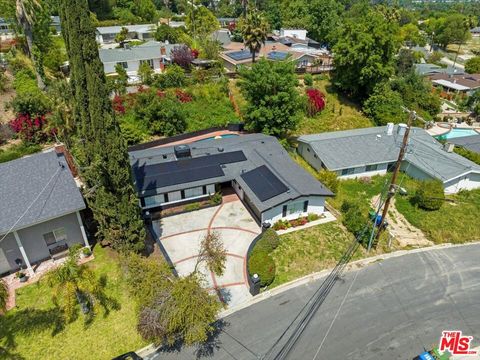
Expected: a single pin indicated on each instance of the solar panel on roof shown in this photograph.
(264, 183)
(184, 170)
(240, 55)
(277, 55)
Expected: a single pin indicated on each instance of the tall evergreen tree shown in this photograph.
(102, 153)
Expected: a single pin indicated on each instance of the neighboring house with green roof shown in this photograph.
(373, 151)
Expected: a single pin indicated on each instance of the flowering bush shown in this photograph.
(182, 96)
(286, 224)
(195, 53)
(118, 105)
(316, 101)
(31, 130)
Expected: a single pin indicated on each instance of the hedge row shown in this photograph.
(261, 261)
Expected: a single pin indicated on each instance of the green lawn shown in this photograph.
(456, 221)
(310, 250)
(34, 329)
(340, 113)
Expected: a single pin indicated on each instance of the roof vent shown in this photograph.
(448, 147)
(390, 129)
(182, 151)
(220, 149)
(164, 156)
(378, 137)
(401, 129)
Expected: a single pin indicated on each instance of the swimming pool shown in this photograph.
(456, 133)
(218, 137)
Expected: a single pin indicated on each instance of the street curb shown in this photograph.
(354, 265)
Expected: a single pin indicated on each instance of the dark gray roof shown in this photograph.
(22, 181)
(259, 150)
(360, 147)
(471, 143)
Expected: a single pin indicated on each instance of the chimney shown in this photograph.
(390, 129)
(448, 147)
(61, 149)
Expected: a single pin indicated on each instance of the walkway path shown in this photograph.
(181, 236)
(405, 233)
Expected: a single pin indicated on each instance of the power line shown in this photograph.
(336, 315)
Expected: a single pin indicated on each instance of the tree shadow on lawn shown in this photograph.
(27, 322)
(204, 350)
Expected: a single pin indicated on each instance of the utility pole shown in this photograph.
(396, 170)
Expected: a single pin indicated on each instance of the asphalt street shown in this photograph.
(393, 310)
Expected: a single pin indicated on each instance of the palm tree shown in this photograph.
(25, 11)
(254, 31)
(3, 296)
(76, 286)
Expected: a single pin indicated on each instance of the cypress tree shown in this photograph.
(102, 151)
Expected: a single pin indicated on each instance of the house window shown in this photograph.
(371, 167)
(154, 200)
(198, 191)
(295, 208)
(55, 236)
(149, 62)
(123, 64)
(348, 171)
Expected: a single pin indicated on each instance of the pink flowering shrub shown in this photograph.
(31, 130)
(118, 105)
(316, 101)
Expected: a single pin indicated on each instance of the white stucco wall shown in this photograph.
(468, 182)
(316, 205)
(361, 172)
(306, 151)
(415, 172)
(294, 33)
(133, 66)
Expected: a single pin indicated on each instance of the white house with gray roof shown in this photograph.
(373, 151)
(107, 34)
(153, 53)
(39, 210)
(258, 168)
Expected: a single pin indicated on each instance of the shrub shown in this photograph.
(281, 225)
(118, 104)
(329, 179)
(131, 133)
(192, 207)
(182, 56)
(182, 96)
(173, 77)
(308, 80)
(316, 101)
(32, 130)
(353, 217)
(269, 240)
(216, 199)
(261, 263)
(429, 195)
(312, 217)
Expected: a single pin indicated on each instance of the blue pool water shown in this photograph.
(456, 133)
(222, 136)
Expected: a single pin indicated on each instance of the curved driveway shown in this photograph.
(182, 234)
(395, 308)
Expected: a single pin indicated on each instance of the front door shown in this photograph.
(4, 265)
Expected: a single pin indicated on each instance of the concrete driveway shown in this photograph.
(181, 235)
